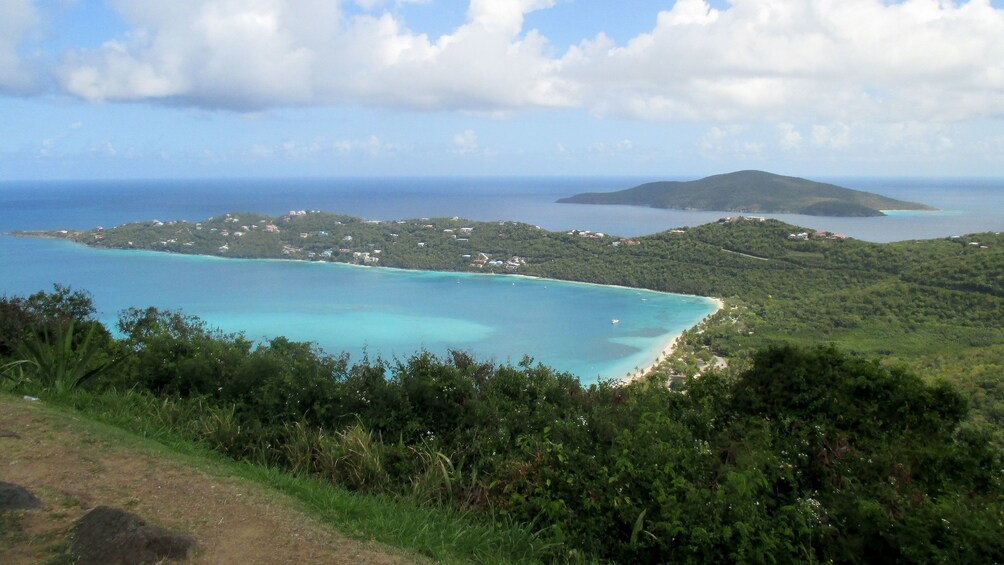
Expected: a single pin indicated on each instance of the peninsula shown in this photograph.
(751, 191)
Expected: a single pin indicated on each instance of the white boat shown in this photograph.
(615, 321)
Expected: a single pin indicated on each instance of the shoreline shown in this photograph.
(668, 349)
(355, 265)
(656, 354)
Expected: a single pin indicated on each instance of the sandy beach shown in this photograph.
(668, 349)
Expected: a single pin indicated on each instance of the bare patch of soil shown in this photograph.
(72, 470)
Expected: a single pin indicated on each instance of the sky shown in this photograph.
(122, 89)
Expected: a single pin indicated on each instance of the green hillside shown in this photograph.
(808, 455)
(785, 449)
(934, 305)
(751, 191)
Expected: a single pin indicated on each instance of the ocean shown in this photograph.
(391, 313)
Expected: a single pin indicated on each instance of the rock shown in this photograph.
(16, 497)
(108, 536)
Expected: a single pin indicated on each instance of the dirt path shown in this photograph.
(73, 466)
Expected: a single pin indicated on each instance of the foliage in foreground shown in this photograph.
(934, 305)
(809, 455)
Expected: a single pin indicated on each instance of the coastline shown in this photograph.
(668, 349)
(374, 267)
(648, 353)
(658, 357)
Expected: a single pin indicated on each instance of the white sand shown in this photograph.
(668, 349)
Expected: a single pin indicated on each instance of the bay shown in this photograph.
(386, 313)
(381, 312)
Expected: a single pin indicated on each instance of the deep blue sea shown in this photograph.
(388, 313)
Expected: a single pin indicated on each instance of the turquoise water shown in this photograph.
(391, 313)
(920, 213)
(377, 312)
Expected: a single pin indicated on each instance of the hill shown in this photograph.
(814, 453)
(751, 191)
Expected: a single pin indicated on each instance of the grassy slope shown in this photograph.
(115, 427)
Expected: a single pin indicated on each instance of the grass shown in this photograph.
(10, 526)
(438, 533)
(441, 534)
(12, 532)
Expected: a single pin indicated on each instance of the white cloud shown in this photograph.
(248, 54)
(374, 4)
(914, 138)
(790, 139)
(614, 148)
(372, 146)
(50, 145)
(230, 53)
(835, 136)
(729, 141)
(46, 147)
(260, 151)
(503, 17)
(319, 148)
(299, 149)
(713, 141)
(749, 149)
(19, 18)
(465, 142)
(783, 61)
(689, 12)
(796, 60)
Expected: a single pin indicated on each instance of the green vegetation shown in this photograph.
(751, 191)
(133, 418)
(807, 455)
(931, 305)
(205, 430)
(796, 452)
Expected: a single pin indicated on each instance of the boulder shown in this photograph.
(16, 497)
(108, 536)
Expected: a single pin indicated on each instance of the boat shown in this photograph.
(615, 321)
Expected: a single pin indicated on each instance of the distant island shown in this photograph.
(751, 191)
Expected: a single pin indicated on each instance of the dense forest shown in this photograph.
(807, 454)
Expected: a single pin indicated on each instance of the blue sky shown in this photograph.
(231, 88)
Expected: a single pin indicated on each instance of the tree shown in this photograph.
(40, 313)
